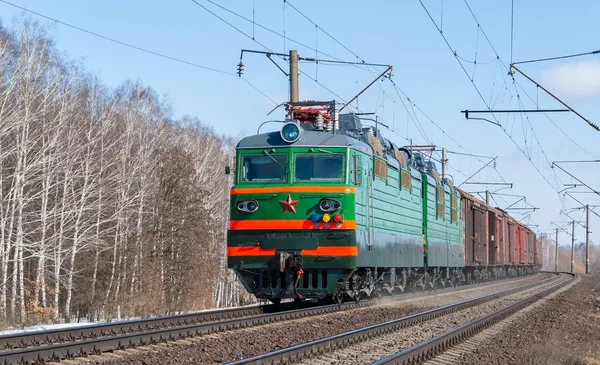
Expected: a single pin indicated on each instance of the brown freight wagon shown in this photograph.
(513, 243)
(496, 244)
(476, 230)
(521, 244)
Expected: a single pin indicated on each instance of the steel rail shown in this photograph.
(437, 345)
(82, 341)
(52, 336)
(330, 343)
(24, 339)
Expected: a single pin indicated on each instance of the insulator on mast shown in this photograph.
(336, 120)
(319, 123)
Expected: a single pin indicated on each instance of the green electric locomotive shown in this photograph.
(328, 209)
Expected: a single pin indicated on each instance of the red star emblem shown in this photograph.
(288, 204)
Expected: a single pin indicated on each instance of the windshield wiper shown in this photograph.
(285, 168)
(324, 151)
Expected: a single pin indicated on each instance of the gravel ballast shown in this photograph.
(564, 330)
(237, 344)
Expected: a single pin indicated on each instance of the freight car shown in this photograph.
(326, 208)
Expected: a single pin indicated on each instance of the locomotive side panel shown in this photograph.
(391, 235)
(436, 233)
(456, 247)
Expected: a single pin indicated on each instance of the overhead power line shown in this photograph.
(153, 53)
(477, 88)
(262, 45)
(589, 122)
(323, 30)
(517, 85)
(118, 41)
(559, 57)
(284, 36)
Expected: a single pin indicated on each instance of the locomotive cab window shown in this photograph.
(271, 168)
(329, 167)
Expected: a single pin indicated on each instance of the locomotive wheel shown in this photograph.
(338, 298)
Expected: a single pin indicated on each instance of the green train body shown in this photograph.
(397, 226)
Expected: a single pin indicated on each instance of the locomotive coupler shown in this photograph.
(289, 261)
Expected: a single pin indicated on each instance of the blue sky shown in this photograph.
(399, 33)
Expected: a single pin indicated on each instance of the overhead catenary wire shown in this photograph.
(557, 57)
(507, 69)
(514, 83)
(399, 90)
(323, 30)
(122, 43)
(318, 51)
(477, 89)
(141, 49)
(411, 103)
(265, 47)
(284, 36)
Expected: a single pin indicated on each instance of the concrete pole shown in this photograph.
(556, 253)
(573, 248)
(487, 197)
(587, 239)
(294, 91)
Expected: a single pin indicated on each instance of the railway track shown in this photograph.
(442, 343)
(68, 343)
(311, 351)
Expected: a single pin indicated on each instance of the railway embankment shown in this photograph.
(233, 345)
(562, 330)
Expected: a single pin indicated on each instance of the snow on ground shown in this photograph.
(43, 327)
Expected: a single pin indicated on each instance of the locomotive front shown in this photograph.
(292, 227)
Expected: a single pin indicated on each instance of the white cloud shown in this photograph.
(579, 80)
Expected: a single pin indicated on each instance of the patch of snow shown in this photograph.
(44, 327)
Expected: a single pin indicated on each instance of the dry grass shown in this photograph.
(576, 340)
(551, 352)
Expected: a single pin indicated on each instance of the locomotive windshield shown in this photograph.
(270, 168)
(319, 167)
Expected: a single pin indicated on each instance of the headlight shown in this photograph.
(290, 132)
(329, 205)
(248, 206)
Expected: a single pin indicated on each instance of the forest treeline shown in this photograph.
(109, 207)
(564, 256)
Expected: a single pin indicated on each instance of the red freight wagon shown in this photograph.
(530, 246)
(474, 214)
